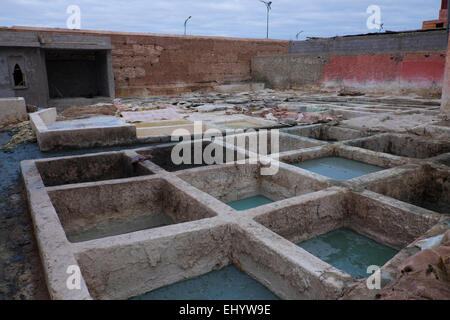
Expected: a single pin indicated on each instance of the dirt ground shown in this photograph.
(83, 111)
(21, 274)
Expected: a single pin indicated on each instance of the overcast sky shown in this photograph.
(233, 18)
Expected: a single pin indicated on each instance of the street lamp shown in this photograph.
(298, 34)
(269, 7)
(185, 23)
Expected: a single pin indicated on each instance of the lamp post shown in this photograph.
(185, 24)
(269, 7)
(298, 34)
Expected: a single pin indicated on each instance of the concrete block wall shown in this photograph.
(146, 64)
(390, 61)
(399, 42)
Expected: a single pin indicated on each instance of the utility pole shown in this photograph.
(269, 7)
(185, 23)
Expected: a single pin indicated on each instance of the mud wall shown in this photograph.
(151, 64)
(387, 61)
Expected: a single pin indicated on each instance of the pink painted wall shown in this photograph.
(445, 104)
(418, 69)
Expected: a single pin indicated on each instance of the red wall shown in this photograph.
(445, 106)
(418, 69)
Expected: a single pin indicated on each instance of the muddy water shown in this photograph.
(229, 283)
(121, 226)
(249, 203)
(338, 168)
(349, 251)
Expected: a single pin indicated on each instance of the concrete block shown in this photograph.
(12, 110)
(73, 136)
(288, 71)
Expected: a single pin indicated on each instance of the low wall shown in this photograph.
(145, 64)
(76, 138)
(411, 60)
(12, 110)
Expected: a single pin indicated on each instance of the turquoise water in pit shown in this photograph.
(349, 251)
(249, 203)
(338, 168)
(230, 283)
(90, 122)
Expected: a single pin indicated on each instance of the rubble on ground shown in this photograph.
(31, 108)
(350, 93)
(284, 107)
(424, 276)
(77, 112)
(398, 123)
(23, 133)
(293, 107)
(153, 115)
